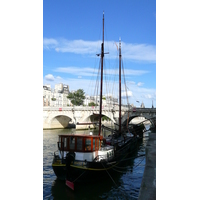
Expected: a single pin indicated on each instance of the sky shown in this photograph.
(72, 35)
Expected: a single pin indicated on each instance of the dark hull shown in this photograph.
(93, 171)
(137, 129)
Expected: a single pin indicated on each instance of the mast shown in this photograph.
(101, 89)
(119, 85)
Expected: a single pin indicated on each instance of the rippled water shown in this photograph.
(124, 184)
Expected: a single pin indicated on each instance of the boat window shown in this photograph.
(65, 142)
(79, 143)
(93, 144)
(88, 144)
(97, 145)
(72, 143)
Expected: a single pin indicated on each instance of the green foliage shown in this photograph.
(104, 98)
(77, 97)
(105, 118)
(53, 99)
(92, 104)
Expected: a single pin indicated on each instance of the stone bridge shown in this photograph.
(147, 113)
(54, 117)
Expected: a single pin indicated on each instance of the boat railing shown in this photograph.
(56, 153)
(60, 145)
(56, 157)
(99, 158)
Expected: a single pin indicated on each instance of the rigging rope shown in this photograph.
(125, 168)
(79, 177)
(97, 83)
(109, 174)
(132, 158)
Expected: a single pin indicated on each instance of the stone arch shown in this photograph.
(132, 116)
(111, 118)
(60, 121)
(91, 118)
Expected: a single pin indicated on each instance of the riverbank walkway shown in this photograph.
(148, 185)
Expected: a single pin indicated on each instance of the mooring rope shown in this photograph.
(79, 176)
(113, 180)
(109, 174)
(114, 168)
(133, 157)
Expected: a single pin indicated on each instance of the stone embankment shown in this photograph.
(148, 185)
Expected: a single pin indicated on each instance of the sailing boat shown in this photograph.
(82, 158)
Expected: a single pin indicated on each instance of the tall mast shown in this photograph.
(101, 89)
(120, 85)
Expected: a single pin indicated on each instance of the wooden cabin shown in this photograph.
(79, 143)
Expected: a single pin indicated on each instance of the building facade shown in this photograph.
(58, 97)
(46, 95)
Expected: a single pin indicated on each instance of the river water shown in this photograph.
(125, 184)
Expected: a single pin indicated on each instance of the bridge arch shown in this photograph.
(60, 121)
(93, 118)
(134, 115)
(96, 117)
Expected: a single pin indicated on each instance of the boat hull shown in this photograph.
(80, 171)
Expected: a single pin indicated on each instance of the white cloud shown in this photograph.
(148, 96)
(58, 77)
(141, 94)
(131, 82)
(135, 72)
(87, 71)
(142, 52)
(49, 43)
(77, 46)
(140, 84)
(134, 52)
(128, 93)
(49, 77)
(80, 71)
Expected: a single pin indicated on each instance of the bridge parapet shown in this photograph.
(78, 108)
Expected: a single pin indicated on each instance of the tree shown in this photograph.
(77, 97)
(92, 104)
(105, 118)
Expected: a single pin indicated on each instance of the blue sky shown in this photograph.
(72, 34)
